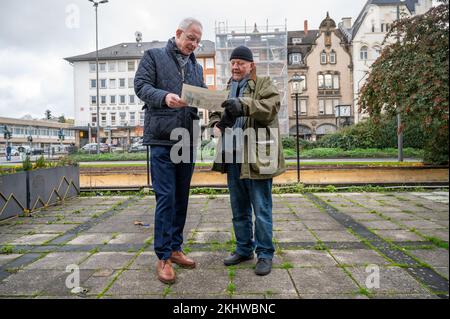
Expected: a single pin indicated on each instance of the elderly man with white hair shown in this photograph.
(158, 82)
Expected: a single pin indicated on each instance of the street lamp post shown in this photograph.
(96, 3)
(399, 117)
(297, 89)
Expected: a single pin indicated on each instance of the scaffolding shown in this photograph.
(269, 47)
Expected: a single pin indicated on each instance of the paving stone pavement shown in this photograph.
(328, 246)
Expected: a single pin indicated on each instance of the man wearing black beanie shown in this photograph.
(251, 154)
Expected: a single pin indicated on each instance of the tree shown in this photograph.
(62, 119)
(48, 114)
(411, 77)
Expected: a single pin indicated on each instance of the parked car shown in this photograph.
(37, 151)
(137, 148)
(92, 148)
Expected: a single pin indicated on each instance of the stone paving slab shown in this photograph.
(317, 255)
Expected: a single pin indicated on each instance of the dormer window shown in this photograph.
(296, 40)
(295, 58)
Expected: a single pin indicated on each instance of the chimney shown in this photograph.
(347, 23)
(306, 27)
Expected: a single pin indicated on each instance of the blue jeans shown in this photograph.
(171, 184)
(246, 194)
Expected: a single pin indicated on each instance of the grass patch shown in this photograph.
(287, 266)
(231, 288)
(7, 250)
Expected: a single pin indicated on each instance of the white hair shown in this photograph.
(187, 22)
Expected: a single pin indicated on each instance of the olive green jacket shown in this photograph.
(263, 151)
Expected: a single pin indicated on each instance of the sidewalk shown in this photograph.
(325, 243)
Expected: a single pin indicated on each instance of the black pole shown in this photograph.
(148, 168)
(97, 84)
(298, 137)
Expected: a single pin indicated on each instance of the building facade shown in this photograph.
(38, 134)
(121, 115)
(368, 33)
(322, 58)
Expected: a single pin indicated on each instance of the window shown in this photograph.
(122, 66)
(102, 67)
(336, 82)
(93, 100)
(132, 118)
(122, 83)
(112, 83)
(141, 118)
(377, 51)
(123, 117)
(210, 79)
(333, 57)
(363, 54)
(131, 66)
(93, 84)
(382, 27)
(328, 81)
(103, 83)
(388, 27)
(122, 99)
(296, 40)
(323, 57)
(103, 119)
(321, 81)
(93, 118)
(132, 99)
(329, 107)
(302, 106)
(295, 58)
(210, 63)
(113, 118)
(131, 83)
(103, 99)
(321, 107)
(112, 66)
(112, 100)
(92, 67)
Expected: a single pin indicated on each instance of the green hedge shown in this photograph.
(367, 135)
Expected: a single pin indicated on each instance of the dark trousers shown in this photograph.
(247, 196)
(171, 184)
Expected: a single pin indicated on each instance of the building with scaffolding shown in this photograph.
(269, 47)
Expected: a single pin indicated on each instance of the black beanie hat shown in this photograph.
(242, 53)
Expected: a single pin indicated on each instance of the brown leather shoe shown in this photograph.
(165, 271)
(179, 258)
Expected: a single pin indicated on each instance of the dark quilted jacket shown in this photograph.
(159, 74)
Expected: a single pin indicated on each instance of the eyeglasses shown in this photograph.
(192, 38)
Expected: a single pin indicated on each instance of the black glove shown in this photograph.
(234, 107)
(227, 120)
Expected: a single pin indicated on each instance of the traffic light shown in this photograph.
(6, 133)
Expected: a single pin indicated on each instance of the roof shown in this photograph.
(134, 50)
(410, 4)
(34, 123)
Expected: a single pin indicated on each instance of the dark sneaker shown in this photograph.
(235, 259)
(263, 266)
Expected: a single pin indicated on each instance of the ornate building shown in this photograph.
(323, 59)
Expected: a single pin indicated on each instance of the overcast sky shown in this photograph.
(35, 36)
